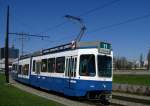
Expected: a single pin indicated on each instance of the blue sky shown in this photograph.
(40, 17)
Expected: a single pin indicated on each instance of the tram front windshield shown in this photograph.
(104, 66)
(87, 65)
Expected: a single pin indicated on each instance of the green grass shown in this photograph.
(132, 79)
(11, 96)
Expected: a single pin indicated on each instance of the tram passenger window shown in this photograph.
(17, 67)
(33, 66)
(104, 66)
(75, 65)
(60, 64)
(20, 69)
(72, 67)
(66, 70)
(51, 65)
(87, 65)
(69, 67)
(25, 69)
(38, 67)
(13, 67)
(44, 65)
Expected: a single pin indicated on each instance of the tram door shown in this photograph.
(38, 70)
(70, 72)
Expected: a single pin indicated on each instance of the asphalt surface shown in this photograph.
(132, 72)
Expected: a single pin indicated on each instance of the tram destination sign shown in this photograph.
(104, 48)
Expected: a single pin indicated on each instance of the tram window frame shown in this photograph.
(51, 65)
(25, 69)
(104, 66)
(87, 72)
(72, 67)
(69, 67)
(34, 66)
(13, 67)
(72, 70)
(44, 62)
(20, 69)
(60, 64)
(16, 67)
(38, 69)
(66, 67)
(75, 66)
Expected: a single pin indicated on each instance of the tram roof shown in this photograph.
(65, 47)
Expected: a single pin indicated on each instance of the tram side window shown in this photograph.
(13, 67)
(60, 64)
(33, 66)
(17, 67)
(104, 66)
(20, 69)
(75, 65)
(87, 65)
(38, 67)
(51, 65)
(25, 70)
(67, 67)
(44, 65)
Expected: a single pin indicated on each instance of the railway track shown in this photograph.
(119, 99)
(130, 99)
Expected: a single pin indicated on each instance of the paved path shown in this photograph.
(132, 72)
(127, 103)
(130, 99)
(132, 96)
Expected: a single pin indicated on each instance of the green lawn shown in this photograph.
(11, 96)
(132, 79)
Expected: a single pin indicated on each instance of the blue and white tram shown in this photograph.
(84, 70)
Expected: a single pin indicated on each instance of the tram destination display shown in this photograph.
(104, 48)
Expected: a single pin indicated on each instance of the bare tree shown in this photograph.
(148, 59)
(122, 63)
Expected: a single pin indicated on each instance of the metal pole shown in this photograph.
(7, 48)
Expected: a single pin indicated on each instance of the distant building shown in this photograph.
(137, 63)
(145, 63)
(13, 54)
